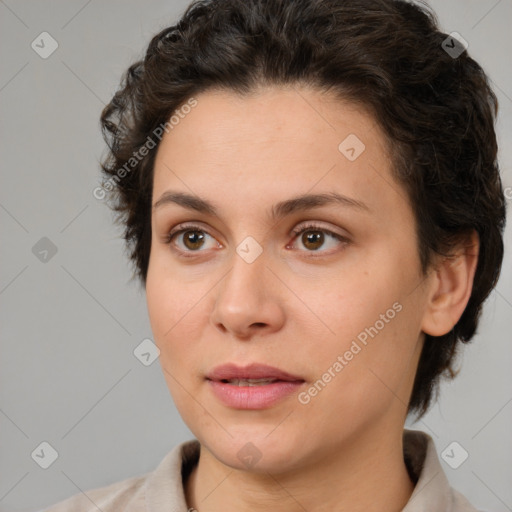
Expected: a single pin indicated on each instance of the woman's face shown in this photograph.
(339, 306)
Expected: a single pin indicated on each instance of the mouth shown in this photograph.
(252, 387)
(253, 374)
(250, 382)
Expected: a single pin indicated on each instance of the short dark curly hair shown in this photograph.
(435, 106)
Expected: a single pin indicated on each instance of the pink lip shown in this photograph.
(252, 371)
(252, 397)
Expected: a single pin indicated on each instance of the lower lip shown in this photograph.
(253, 397)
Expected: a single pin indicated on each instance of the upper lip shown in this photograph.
(252, 371)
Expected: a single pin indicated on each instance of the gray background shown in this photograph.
(68, 375)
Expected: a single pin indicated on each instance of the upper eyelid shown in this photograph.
(185, 226)
(182, 226)
(315, 225)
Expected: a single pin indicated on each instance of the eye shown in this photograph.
(314, 237)
(191, 238)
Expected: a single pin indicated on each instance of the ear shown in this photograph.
(452, 283)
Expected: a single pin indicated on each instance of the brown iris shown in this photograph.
(313, 239)
(193, 239)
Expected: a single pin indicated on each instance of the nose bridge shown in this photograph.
(246, 281)
(246, 297)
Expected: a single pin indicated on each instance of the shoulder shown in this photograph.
(135, 494)
(432, 489)
(117, 496)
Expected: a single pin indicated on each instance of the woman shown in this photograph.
(310, 194)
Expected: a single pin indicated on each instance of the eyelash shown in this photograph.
(183, 228)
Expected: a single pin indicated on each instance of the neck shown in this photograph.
(367, 473)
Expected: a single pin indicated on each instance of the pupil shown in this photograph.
(194, 239)
(313, 239)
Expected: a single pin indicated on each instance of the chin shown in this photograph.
(251, 448)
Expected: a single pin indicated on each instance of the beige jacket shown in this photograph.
(162, 489)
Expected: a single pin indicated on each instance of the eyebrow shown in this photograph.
(278, 211)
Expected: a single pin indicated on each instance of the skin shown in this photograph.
(294, 307)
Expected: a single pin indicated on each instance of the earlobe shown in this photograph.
(452, 283)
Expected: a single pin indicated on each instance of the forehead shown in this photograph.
(271, 114)
(276, 141)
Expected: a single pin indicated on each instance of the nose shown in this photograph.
(248, 300)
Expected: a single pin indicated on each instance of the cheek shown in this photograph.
(179, 306)
(358, 382)
(348, 302)
(171, 294)
(373, 326)
(173, 305)
(173, 316)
